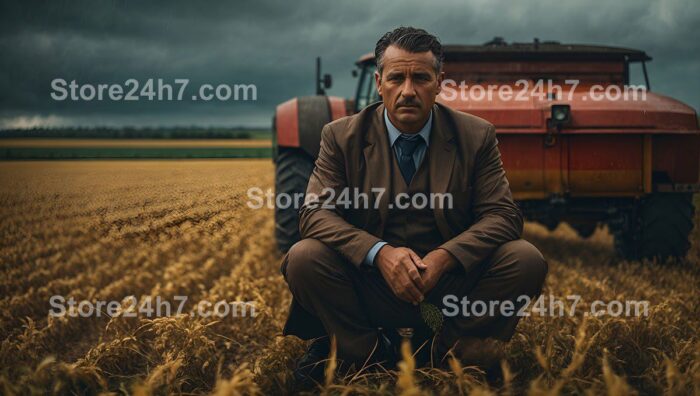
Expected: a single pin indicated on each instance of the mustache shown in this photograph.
(407, 103)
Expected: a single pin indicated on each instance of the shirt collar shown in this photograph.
(394, 133)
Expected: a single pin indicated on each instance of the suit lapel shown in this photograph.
(377, 160)
(442, 157)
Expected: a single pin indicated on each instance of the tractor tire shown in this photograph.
(293, 165)
(292, 171)
(659, 228)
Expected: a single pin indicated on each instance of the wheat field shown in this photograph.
(105, 230)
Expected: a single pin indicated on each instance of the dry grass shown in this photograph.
(105, 230)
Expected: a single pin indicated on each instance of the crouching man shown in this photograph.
(362, 270)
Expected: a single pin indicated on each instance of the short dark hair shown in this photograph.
(412, 40)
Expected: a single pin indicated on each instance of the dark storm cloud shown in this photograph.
(273, 45)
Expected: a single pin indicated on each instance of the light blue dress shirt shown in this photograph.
(418, 155)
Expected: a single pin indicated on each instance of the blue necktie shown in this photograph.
(406, 148)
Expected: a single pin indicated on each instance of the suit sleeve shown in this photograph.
(319, 218)
(497, 218)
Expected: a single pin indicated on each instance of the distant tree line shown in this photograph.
(137, 133)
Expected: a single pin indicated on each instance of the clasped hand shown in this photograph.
(409, 276)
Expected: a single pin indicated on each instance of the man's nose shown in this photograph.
(408, 90)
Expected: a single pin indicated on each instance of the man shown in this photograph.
(365, 266)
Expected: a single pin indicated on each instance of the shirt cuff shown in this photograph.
(369, 258)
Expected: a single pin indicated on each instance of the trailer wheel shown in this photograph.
(292, 171)
(660, 228)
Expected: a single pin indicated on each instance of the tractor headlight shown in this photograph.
(561, 114)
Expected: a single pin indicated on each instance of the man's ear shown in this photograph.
(378, 82)
(440, 79)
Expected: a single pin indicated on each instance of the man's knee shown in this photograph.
(305, 260)
(531, 266)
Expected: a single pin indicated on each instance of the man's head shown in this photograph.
(409, 75)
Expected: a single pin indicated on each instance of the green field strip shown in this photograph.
(34, 153)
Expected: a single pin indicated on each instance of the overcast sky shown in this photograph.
(273, 44)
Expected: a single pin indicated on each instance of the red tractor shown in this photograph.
(577, 147)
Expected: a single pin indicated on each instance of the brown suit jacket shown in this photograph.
(464, 161)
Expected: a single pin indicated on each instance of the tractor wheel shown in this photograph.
(292, 171)
(293, 165)
(660, 228)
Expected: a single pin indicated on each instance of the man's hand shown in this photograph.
(399, 267)
(437, 262)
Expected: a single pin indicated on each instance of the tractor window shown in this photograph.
(366, 91)
(637, 74)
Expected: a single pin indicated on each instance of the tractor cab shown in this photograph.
(366, 92)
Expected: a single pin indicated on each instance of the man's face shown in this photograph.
(408, 85)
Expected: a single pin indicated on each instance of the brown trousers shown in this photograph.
(352, 303)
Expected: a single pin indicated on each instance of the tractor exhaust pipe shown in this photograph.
(322, 83)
